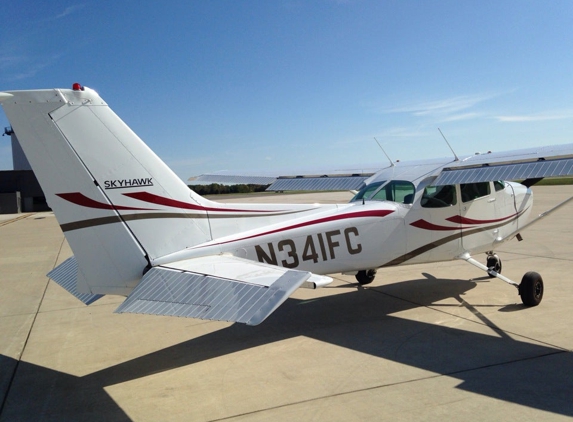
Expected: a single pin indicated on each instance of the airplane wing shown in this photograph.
(531, 164)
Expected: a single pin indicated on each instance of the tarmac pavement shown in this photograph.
(438, 342)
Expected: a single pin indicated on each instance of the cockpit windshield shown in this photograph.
(395, 190)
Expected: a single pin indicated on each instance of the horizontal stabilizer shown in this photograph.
(184, 293)
(66, 275)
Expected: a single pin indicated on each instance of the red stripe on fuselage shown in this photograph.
(458, 219)
(426, 225)
(83, 201)
(464, 220)
(372, 213)
(160, 200)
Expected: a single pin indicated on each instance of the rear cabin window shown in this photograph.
(439, 196)
(498, 185)
(471, 191)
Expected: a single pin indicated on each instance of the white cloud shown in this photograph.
(399, 132)
(462, 116)
(9, 61)
(537, 117)
(68, 11)
(443, 108)
(31, 69)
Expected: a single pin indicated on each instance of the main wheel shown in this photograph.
(365, 276)
(531, 289)
(493, 263)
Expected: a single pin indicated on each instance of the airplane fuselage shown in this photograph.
(372, 234)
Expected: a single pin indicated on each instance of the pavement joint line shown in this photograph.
(13, 220)
(481, 322)
(13, 376)
(377, 387)
(435, 308)
(344, 393)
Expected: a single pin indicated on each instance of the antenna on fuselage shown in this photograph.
(391, 162)
(451, 149)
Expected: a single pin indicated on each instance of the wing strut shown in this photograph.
(534, 221)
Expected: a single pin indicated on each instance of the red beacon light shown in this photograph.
(77, 87)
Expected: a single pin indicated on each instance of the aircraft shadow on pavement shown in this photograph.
(493, 364)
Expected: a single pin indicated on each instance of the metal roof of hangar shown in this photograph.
(322, 183)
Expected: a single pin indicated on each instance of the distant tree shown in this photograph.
(217, 189)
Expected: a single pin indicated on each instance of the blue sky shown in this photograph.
(266, 85)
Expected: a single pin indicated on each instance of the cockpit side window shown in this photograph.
(367, 191)
(439, 196)
(396, 190)
(471, 191)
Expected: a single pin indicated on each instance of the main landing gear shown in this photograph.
(365, 276)
(531, 287)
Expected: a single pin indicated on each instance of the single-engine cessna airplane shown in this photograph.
(136, 229)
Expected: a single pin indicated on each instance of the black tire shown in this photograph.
(531, 289)
(365, 276)
(494, 263)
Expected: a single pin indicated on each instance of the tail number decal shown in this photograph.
(321, 246)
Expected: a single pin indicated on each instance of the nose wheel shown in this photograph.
(531, 289)
(493, 263)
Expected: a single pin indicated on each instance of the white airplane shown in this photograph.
(136, 229)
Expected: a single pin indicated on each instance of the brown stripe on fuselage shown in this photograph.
(432, 245)
(93, 222)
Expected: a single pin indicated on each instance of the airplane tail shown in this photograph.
(118, 204)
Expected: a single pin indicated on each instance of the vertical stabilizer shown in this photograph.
(118, 204)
